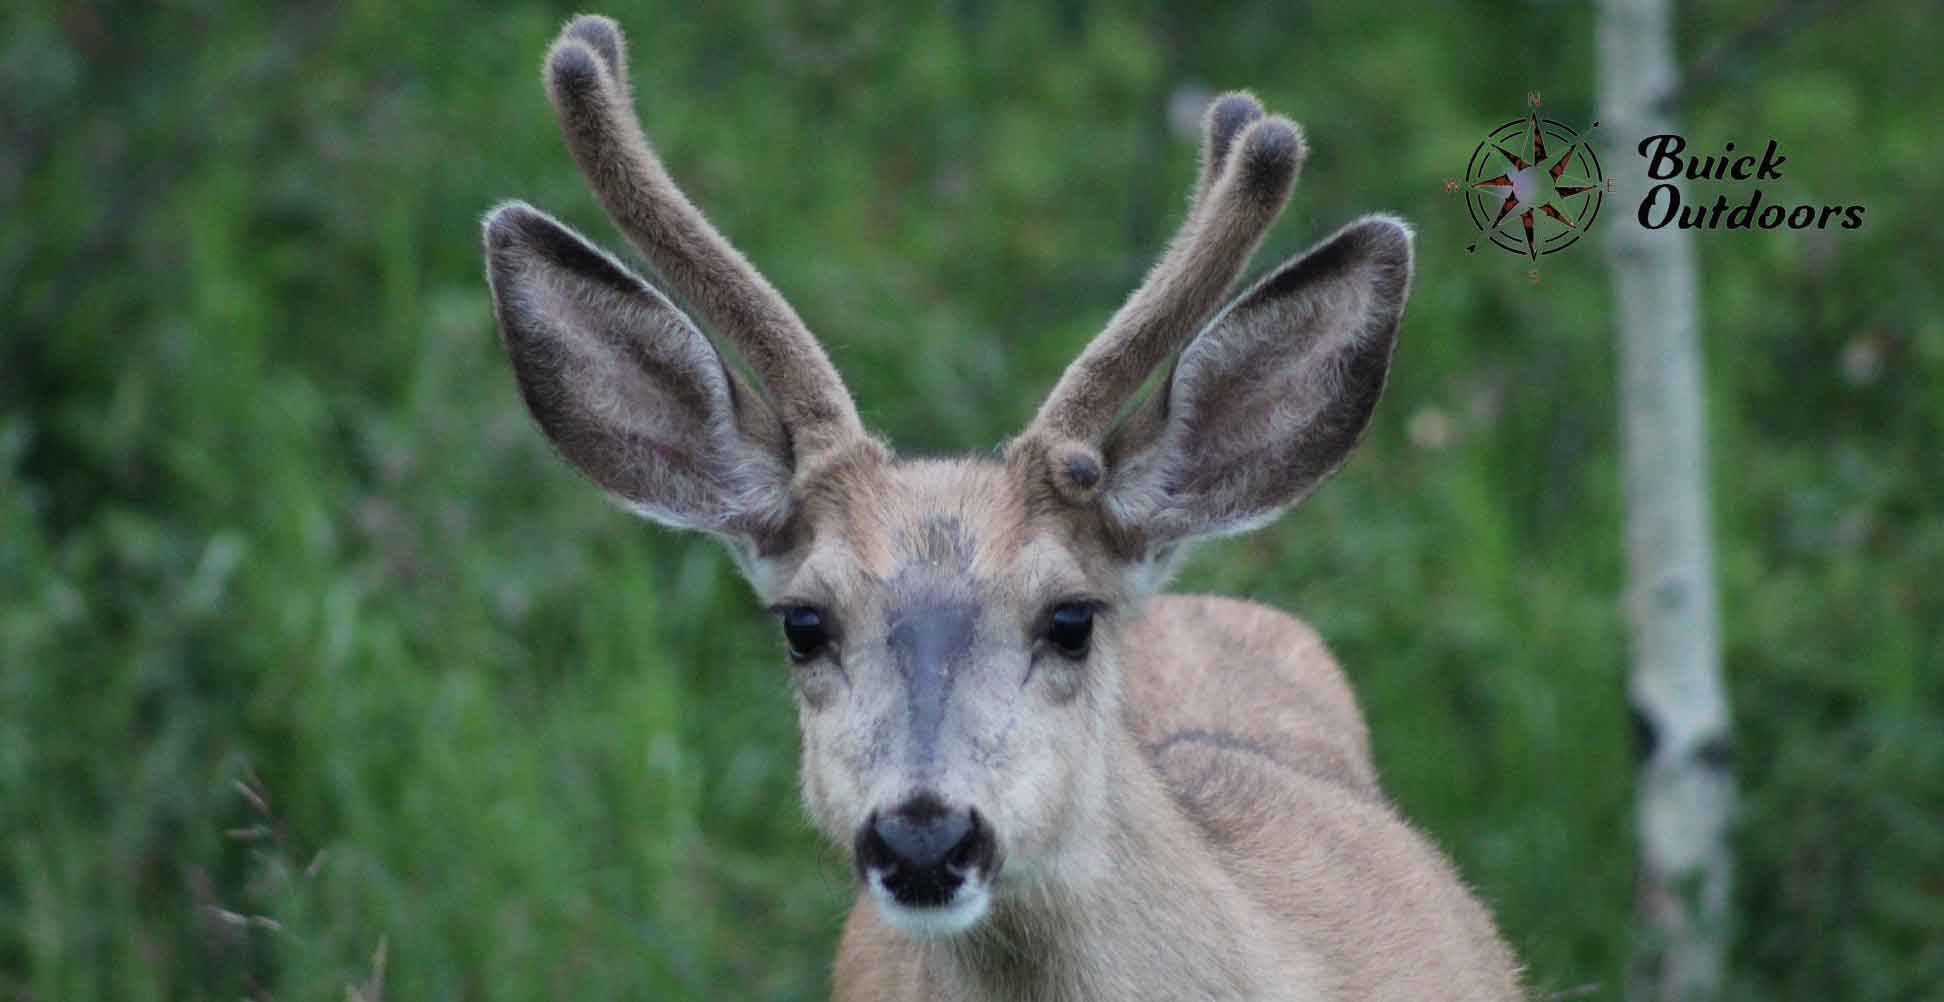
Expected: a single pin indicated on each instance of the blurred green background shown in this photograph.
(271, 513)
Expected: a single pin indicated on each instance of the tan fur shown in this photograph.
(1183, 806)
(1284, 875)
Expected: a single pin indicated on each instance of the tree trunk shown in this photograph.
(1686, 786)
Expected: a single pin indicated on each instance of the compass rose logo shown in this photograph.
(1533, 186)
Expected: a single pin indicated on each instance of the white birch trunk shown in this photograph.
(1686, 787)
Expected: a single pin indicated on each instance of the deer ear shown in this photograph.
(626, 387)
(1268, 400)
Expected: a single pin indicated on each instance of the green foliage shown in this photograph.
(270, 512)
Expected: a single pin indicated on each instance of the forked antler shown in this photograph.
(1249, 166)
(587, 80)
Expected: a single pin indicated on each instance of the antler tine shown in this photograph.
(1224, 120)
(586, 78)
(1249, 166)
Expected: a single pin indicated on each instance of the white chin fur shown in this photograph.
(968, 905)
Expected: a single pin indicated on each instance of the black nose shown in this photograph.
(923, 850)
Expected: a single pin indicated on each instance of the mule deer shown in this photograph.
(1054, 784)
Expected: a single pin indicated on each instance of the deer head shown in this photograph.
(953, 627)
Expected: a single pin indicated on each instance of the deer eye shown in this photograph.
(804, 630)
(1070, 628)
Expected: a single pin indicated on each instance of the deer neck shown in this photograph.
(1144, 910)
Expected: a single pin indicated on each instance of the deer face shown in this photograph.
(956, 676)
(953, 627)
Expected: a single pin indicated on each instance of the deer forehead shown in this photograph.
(917, 535)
